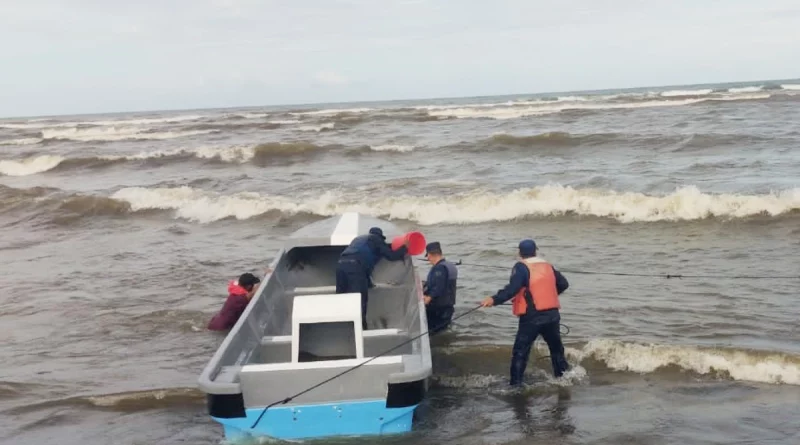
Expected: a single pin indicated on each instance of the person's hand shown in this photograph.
(487, 302)
(253, 291)
(427, 299)
(267, 271)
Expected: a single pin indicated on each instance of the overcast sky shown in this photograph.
(86, 56)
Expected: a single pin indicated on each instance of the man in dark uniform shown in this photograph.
(534, 288)
(357, 261)
(440, 289)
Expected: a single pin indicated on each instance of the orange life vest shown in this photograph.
(541, 291)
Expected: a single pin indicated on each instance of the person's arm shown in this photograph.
(386, 251)
(518, 279)
(561, 282)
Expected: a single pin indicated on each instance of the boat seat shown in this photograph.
(267, 339)
(326, 309)
(371, 333)
(311, 290)
(379, 332)
(317, 290)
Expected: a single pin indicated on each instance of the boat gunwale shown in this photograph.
(412, 372)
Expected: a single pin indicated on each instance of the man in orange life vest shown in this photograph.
(534, 288)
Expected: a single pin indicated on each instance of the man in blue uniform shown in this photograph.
(357, 261)
(440, 289)
(534, 287)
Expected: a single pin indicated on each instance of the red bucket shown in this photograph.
(416, 242)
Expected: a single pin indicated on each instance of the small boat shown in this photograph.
(296, 333)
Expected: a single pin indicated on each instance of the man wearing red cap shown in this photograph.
(534, 288)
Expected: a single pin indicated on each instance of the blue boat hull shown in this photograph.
(362, 418)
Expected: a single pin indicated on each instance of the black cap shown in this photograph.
(247, 279)
(433, 247)
(377, 231)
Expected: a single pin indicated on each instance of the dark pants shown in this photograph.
(530, 327)
(351, 277)
(438, 318)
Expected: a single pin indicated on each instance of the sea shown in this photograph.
(120, 233)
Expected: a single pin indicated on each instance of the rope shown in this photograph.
(488, 266)
(631, 274)
(289, 399)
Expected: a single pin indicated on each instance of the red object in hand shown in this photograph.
(416, 242)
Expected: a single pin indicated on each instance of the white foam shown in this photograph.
(742, 97)
(251, 115)
(790, 86)
(317, 128)
(285, 121)
(22, 141)
(331, 111)
(646, 358)
(201, 206)
(99, 134)
(746, 89)
(30, 166)
(687, 203)
(573, 98)
(233, 153)
(42, 123)
(392, 147)
(544, 108)
(471, 381)
(674, 93)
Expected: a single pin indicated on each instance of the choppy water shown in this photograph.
(121, 231)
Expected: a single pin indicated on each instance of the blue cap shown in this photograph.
(377, 231)
(527, 248)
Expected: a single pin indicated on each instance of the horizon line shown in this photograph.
(415, 99)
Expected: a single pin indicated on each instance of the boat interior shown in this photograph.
(264, 337)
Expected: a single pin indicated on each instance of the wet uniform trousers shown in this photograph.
(351, 276)
(355, 265)
(532, 324)
(441, 287)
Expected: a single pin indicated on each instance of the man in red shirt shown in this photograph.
(239, 294)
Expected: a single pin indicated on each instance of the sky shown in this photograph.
(95, 56)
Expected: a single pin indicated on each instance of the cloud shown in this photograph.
(330, 78)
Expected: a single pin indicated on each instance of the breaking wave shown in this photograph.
(518, 110)
(109, 134)
(261, 154)
(736, 364)
(21, 141)
(30, 166)
(551, 139)
(392, 148)
(46, 123)
(133, 401)
(679, 93)
(684, 204)
(642, 358)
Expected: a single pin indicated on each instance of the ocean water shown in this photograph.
(119, 233)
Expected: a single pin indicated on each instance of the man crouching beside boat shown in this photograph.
(239, 294)
(357, 261)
